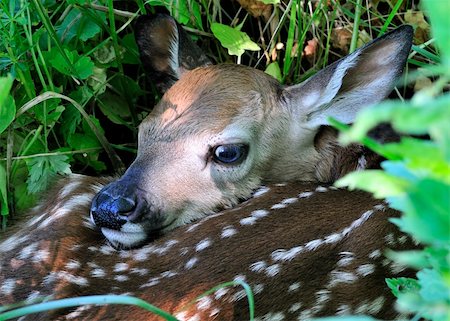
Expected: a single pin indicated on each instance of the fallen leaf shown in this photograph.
(422, 28)
(341, 38)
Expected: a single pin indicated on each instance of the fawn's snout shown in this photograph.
(120, 211)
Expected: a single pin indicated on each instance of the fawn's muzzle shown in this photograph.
(117, 204)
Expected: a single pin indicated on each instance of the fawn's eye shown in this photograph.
(230, 154)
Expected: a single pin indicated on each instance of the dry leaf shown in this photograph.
(256, 8)
(421, 83)
(417, 19)
(311, 48)
(341, 38)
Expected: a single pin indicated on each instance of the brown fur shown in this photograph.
(306, 219)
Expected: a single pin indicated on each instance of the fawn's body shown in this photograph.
(298, 246)
(217, 134)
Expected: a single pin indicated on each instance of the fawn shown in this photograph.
(217, 134)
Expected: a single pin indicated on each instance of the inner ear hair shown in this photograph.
(335, 160)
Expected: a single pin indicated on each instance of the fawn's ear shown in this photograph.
(362, 78)
(166, 50)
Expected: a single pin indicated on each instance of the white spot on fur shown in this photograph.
(203, 244)
(107, 249)
(139, 271)
(261, 191)
(295, 307)
(168, 274)
(278, 206)
(73, 264)
(305, 315)
(12, 242)
(35, 220)
(121, 278)
(248, 220)
(362, 163)
(258, 267)
(375, 254)
(142, 254)
(271, 316)
(333, 238)
(239, 295)
(273, 270)
(98, 273)
(259, 213)
(390, 239)
(346, 260)
(204, 303)
(294, 287)
(150, 283)
(305, 194)
(28, 251)
(286, 255)
(78, 311)
(190, 264)
(228, 231)
(220, 293)
(33, 297)
(321, 189)
(77, 280)
(343, 309)
(121, 267)
(313, 245)
(239, 278)
(365, 269)
(8, 286)
(291, 200)
(342, 277)
(258, 288)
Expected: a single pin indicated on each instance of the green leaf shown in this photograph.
(438, 12)
(234, 40)
(4, 209)
(274, 70)
(377, 182)
(417, 117)
(7, 103)
(43, 168)
(81, 67)
(427, 211)
(416, 259)
(433, 287)
(402, 285)
(80, 25)
(270, 1)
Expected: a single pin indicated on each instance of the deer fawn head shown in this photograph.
(219, 131)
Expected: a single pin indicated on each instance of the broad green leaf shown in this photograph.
(234, 40)
(413, 118)
(420, 157)
(4, 210)
(43, 168)
(80, 25)
(115, 108)
(402, 285)
(7, 104)
(433, 287)
(81, 67)
(274, 70)
(416, 259)
(438, 12)
(98, 80)
(377, 182)
(426, 212)
(7, 112)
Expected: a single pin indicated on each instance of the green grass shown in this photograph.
(70, 78)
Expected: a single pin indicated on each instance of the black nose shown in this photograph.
(113, 206)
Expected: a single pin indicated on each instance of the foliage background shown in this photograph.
(72, 92)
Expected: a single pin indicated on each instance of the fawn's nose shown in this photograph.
(114, 206)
